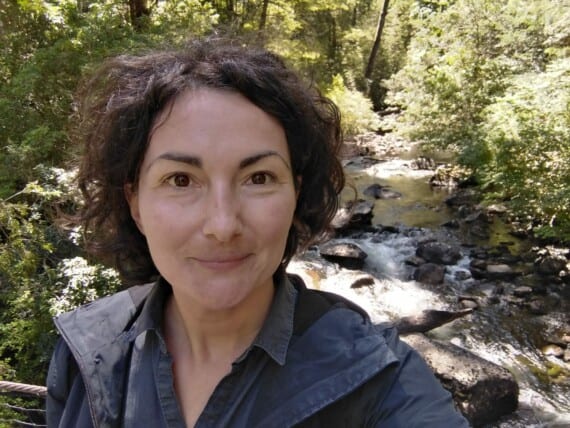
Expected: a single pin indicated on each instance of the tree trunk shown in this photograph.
(138, 9)
(379, 29)
(333, 41)
(263, 19)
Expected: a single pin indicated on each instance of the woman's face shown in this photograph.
(215, 197)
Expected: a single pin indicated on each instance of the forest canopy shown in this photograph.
(488, 80)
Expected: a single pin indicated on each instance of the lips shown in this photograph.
(226, 262)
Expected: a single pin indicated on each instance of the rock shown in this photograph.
(391, 229)
(483, 391)
(535, 282)
(462, 275)
(500, 272)
(564, 276)
(423, 162)
(537, 307)
(566, 356)
(451, 224)
(477, 216)
(551, 265)
(436, 252)
(430, 273)
(478, 264)
(464, 210)
(479, 230)
(522, 291)
(447, 176)
(469, 304)
(363, 281)
(463, 197)
(378, 191)
(354, 215)
(497, 209)
(414, 261)
(553, 350)
(346, 254)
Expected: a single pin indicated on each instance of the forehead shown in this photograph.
(215, 121)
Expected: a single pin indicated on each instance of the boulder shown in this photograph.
(446, 176)
(346, 254)
(522, 291)
(353, 215)
(537, 307)
(551, 265)
(462, 197)
(430, 273)
(437, 252)
(378, 191)
(495, 272)
(414, 261)
(500, 269)
(483, 391)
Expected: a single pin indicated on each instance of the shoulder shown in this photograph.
(102, 319)
(396, 388)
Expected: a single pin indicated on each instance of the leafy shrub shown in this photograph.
(356, 110)
(528, 132)
(41, 274)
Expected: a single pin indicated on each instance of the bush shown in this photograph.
(356, 110)
(41, 274)
(528, 132)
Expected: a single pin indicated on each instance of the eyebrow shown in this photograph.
(197, 162)
(179, 157)
(250, 160)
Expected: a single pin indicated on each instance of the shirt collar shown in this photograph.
(277, 330)
(273, 338)
(150, 317)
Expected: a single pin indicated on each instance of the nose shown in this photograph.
(222, 215)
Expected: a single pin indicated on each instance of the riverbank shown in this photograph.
(512, 326)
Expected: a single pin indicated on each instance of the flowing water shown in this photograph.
(501, 333)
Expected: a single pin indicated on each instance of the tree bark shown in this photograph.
(263, 19)
(377, 39)
(138, 9)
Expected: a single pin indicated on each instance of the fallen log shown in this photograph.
(428, 320)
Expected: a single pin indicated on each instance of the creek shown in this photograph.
(503, 333)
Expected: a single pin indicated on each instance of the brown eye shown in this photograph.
(259, 178)
(179, 180)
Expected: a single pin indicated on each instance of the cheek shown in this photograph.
(276, 220)
(163, 219)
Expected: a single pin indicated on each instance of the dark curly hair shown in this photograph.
(119, 106)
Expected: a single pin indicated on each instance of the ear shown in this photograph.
(133, 200)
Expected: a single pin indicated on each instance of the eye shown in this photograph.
(261, 178)
(178, 180)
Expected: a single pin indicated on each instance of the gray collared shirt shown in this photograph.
(150, 387)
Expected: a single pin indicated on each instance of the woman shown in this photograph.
(204, 171)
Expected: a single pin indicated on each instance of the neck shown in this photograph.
(217, 337)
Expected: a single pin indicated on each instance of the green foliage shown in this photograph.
(41, 274)
(528, 131)
(356, 109)
(490, 81)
